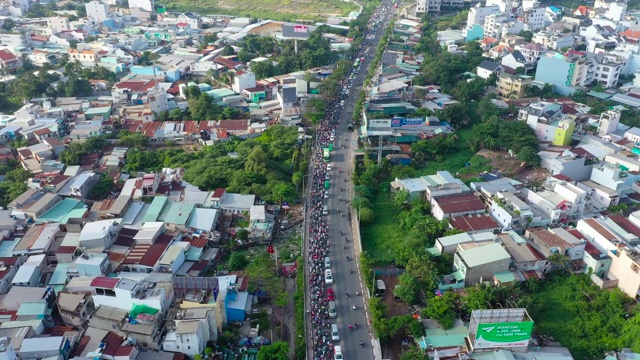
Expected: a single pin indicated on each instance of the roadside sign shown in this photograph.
(503, 335)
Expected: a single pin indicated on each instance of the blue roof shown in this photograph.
(59, 276)
(63, 211)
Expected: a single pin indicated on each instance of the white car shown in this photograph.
(326, 194)
(337, 351)
(332, 138)
(328, 278)
(328, 167)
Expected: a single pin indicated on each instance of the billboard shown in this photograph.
(295, 31)
(503, 335)
(400, 121)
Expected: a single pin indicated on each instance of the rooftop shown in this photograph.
(484, 254)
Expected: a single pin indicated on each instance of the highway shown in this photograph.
(346, 274)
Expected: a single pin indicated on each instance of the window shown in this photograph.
(189, 347)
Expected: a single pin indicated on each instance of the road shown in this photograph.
(345, 272)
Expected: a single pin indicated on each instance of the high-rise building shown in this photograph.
(97, 11)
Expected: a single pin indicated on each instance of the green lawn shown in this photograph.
(286, 10)
(377, 237)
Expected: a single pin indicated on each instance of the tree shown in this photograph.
(366, 215)
(102, 188)
(408, 289)
(559, 262)
(276, 351)
(228, 51)
(77, 87)
(442, 309)
(263, 69)
(243, 234)
(414, 353)
(8, 24)
(175, 114)
(297, 178)
(238, 260)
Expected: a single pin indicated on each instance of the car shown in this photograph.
(326, 194)
(341, 102)
(337, 353)
(328, 167)
(330, 294)
(328, 277)
(333, 137)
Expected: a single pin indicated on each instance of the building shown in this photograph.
(97, 11)
(8, 61)
(449, 244)
(523, 257)
(510, 211)
(481, 263)
(123, 293)
(608, 123)
(75, 309)
(241, 82)
(142, 5)
(575, 70)
(430, 6)
(456, 205)
(512, 86)
(556, 241)
(99, 234)
(625, 270)
(190, 330)
(486, 68)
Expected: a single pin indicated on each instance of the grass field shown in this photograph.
(286, 10)
(377, 236)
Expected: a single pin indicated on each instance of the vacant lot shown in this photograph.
(287, 10)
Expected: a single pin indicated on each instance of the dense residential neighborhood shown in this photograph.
(178, 185)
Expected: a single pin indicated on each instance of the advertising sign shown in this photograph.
(399, 121)
(295, 31)
(300, 28)
(503, 335)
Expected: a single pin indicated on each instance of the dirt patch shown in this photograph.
(501, 160)
(393, 349)
(530, 176)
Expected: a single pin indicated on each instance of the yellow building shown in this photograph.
(512, 86)
(564, 132)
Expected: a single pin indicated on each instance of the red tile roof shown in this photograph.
(551, 239)
(137, 86)
(563, 177)
(198, 242)
(459, 203)
(105, 282)
(234, 125)
(66, 249)
(124, 351)
(7, 56)
(112, 342)
(218, 193)
(624, 223)
(475, 222)
(592, 250)
(152, 255)
(600, 229)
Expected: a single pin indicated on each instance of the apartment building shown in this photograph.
(430, 6)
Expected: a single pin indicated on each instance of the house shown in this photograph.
(597, 263)
(510, 211)
(89, 264)
(189, 329)
(37, 240)
(123, 293)
(29, 273)
(8, 268)
(449, 244)
(512, 86)
(9, 62)
(456, 205)
(474, 223)
(75, 309)
(486, 68)
(55, 347)
(144, 326)
(99, 234)
(83, 184)
(523, 257)
(232, 203)
(481, 263)
(624, 271)
(517, 63)
(442, 183)
(556, 241)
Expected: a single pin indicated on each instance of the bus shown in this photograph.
(356, 63)
(326, 155)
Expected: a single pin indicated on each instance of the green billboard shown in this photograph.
(503, 335)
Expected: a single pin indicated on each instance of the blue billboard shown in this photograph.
(400, 121)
